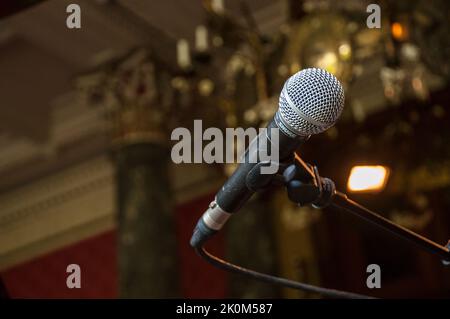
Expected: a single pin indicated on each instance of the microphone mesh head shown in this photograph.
(311, 102)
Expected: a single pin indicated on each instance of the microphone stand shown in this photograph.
(305, 186)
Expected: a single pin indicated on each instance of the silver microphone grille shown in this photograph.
(311, 102)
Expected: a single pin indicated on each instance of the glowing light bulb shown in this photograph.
(367, 178)
(398, 31)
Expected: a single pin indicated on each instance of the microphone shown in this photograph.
(311, 102)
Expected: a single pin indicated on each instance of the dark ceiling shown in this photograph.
(39, 55)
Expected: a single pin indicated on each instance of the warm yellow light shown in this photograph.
(367, 178)
(328, 61)
(345, 51)
(399, 32)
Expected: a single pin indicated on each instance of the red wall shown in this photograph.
(45, 276)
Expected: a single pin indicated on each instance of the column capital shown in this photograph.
(135, 95)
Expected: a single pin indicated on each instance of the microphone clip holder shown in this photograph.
(306, 187)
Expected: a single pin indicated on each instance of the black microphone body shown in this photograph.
(238, 189)
(242, 184)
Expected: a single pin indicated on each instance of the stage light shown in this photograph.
(367, 178)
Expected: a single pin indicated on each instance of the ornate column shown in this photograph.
(146, 236)
(134, 93)
(147, 252)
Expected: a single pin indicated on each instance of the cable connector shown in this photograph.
(201, 234)
(210, 223)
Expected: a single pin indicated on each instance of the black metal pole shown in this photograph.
(341, 200)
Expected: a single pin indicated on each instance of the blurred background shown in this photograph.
(85, 121)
